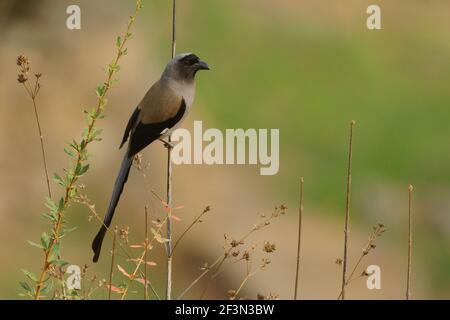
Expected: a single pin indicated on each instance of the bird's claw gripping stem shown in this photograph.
(167, 144)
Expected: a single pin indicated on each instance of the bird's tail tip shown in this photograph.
(97, 243)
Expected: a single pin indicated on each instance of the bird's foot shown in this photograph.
(167, 144)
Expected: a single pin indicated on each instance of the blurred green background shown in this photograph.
(306, 67)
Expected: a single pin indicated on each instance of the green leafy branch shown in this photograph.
(78, 152)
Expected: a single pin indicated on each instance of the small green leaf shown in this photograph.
(75, 145)
(70, 229)
(34, 244)
(45, 240)
(54, 254)
(60, 262)
(50, 216)
(48, 286)
(25, 286)
(69, 152)
(30, 275)
(49, 203)
(118, 42)
(95, 134)
(83, 170)
(85, 134)
(82, 145)
(61, 204)
(100, 91)
(57, 178)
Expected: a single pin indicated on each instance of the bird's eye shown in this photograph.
(190, 60)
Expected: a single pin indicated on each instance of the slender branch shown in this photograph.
(41, 136)
(196, 280)
(226, 255)
(241, 286)
(25, 69)
(140, 260)
(377, 232)
(193, 223)
(111, 271)
(408, 277)
(300, 215)
(128, 255)
(169, 179)
(145, 256)
(217, 264)
(347, 210)
(70, 188)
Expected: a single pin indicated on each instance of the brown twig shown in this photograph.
(169, 179)
(140, 260)
(146, 250)
(347, 210)
(196, 280)
(247, 277)
(377, 232)
(235, 243)
(127, 255)
(300, 215)
(24, 65)
(193, 223)
(408, 276)
(111, 271)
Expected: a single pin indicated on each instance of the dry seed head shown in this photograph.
(265, 262)
(246, 256)
(365, 274)
(231, 293)
(21, 78)
(269, 247)
(123, 233)
(22, 60)
(234, 243)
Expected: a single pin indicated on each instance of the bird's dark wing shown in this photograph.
(144, 134)
(130, 125)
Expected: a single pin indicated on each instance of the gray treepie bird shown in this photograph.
(162, 109)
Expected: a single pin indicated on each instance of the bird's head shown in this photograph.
(185, 66)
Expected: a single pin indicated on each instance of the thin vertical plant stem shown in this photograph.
(300, 216)
(41, 137)
(347, 210)
(408, 276)
(111, 270)
(145, 256)
(169, 179)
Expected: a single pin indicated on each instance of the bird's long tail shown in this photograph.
(117, 191)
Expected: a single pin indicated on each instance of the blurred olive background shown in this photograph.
(306, 67)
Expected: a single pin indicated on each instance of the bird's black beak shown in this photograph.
(202, 65)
